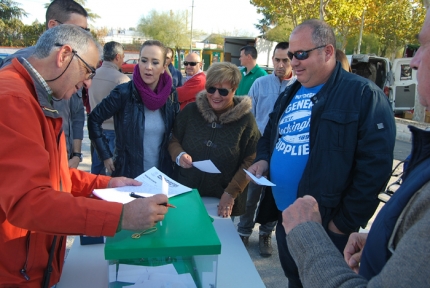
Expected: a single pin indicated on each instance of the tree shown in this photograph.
(99, 34)
(168, 27)
(31, 33)
(264, 24)
(10, 10)
(216, 39)
(280, 33)
(393, 22)
(396, 24)
(10, 23)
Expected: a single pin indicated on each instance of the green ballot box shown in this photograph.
(186, 239)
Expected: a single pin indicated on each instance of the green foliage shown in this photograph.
(216, 39)
(264, 24)
(168, 27)
(10, 10)
(10, 23)
(390, 24)
(369, 44)
(280, 33)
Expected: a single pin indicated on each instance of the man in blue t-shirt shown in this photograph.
(331, 135)
(292, 146)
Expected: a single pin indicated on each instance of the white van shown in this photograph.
(403, 85)
(398, 80)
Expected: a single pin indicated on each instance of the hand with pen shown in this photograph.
(144, 213)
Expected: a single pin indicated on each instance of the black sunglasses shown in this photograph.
(222, 91)
(186, 63)
(302, 55)
(89, 67)
(86, 29)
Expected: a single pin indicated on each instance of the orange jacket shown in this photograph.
(187, 92)
(39, 195)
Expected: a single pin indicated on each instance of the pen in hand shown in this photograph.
(134, 195)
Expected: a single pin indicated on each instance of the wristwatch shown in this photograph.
(77, 155)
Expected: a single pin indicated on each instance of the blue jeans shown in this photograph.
(287, 262)
(98, 166)
(247, 222)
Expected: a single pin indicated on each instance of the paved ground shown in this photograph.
(269, 268)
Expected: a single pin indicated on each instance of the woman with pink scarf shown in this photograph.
(144, 111)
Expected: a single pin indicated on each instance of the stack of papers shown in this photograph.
(153, 182)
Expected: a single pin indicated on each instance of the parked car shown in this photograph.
(128, 66)
(3, 55)
(397, 80)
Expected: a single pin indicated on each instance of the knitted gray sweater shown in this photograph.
(320, 265)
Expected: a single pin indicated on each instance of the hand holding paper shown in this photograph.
(151, 185)
(260, 181)
(206, 166)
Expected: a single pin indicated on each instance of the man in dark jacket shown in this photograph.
(330, 135)
(395, 253)
(176, 74)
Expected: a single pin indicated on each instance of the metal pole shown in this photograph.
(192, 15)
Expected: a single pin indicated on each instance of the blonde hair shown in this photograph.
(341, 57)
(221, 72)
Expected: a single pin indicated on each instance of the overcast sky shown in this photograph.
(210, 16)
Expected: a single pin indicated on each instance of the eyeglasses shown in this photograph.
(186, 63)
(302, 55)
(222, 91)
(86, 29)
(91, 69)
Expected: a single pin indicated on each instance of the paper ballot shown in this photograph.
(206, 166)
(152, 183)
(260, 181)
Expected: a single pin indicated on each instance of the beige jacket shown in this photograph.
(106, 79)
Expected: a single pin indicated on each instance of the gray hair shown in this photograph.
(73, 35)
(322, 33)
(111, 49)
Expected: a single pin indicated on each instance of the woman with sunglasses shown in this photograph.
(218, 127)
(144, 111)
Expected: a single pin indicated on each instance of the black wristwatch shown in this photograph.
(77, 155)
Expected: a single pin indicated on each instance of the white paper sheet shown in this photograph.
(206, 166)
(164, 276)
(260, 181)
(130, 273)
(151, 185)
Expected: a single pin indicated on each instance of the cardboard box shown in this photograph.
(408, 115)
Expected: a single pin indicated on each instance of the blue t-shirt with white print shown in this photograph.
(291, 152)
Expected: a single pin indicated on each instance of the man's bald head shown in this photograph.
(190, 60)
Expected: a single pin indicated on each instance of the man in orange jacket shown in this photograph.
(41, 200)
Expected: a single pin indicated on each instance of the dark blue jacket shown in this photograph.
(377, 252)
(125, 105)
(352, 136)
(176, 76)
